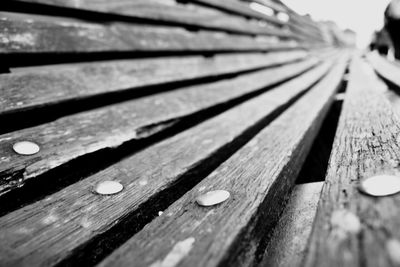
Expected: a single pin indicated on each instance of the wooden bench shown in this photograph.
(171, 100)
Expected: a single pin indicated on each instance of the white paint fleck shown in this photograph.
(345, 222)
(51, 218)
(26, 39)
(143, 182)
(393, 249)
(207, 141)
(202, 188)
(4, 159)
(178, 252)
(85, 222)
(5, 139)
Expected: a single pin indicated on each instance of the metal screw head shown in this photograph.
(108, 188)
(380, 185)
(212, 198)
(26, 148)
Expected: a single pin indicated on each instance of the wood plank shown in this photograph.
(29, 88)
(277, 7)
(289, 240)
(76, 135)
(352, 229)
(173, 13)
(259, 177)
(239, 8)
(76, 215)
(40, 34)
(386, 69)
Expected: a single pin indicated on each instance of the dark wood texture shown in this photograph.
(109, 127)
(47, 231)
(258, 176)
(40, 34)
(29, 88)
(163, 11)
(289, 240)
(352, 229)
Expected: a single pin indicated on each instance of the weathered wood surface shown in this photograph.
(386, 69)
(302, 31)
(172, 12)
(35, 87)
(240, 8)
(72, 136)
(289, 240)
(47, 231)
(353, 229)
(258, 176)
(276, 6)
(40, 34)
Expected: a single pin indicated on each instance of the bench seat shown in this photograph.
(171, 100)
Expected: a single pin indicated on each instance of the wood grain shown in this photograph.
(29, 88)
(238, 7)
(276, 6)
(76, 135)
(172, 12)
(289, 240)
(47, 231)
(40, 34)
(352, 229)
(259, 177)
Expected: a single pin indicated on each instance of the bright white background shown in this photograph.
(362, 16)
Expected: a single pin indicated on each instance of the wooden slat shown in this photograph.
(171, 12)
(40, 34)
(258, 176)
(289, 240)
(76, 135)
(29, 88)
(353, 229)
(273, 5)
(386, 69)
(306, 32)
(71, 217)
(238, 7)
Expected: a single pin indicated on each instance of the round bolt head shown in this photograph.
(108, 188)
(212, 198)
(26, 148)
(380, 185)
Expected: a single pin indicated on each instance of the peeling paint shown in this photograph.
(178, 252)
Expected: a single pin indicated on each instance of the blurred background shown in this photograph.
(362, 16)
